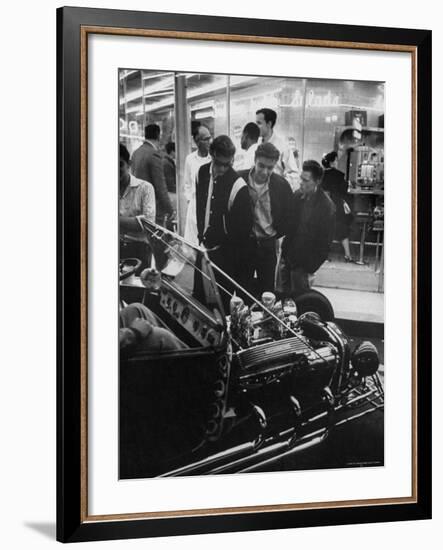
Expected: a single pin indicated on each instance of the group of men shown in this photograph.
(243, 212)
(246, 213)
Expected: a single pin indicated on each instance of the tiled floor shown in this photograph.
(336, 273)
(355, 305)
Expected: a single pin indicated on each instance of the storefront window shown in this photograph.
(159, 98)
(207, 100)
(314, 116)
(329, 104)
(283, 95)
(146, 97)
(131, 109)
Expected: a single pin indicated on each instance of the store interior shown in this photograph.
(314, 116)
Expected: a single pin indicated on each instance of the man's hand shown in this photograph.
(171, 220)
(127, 338)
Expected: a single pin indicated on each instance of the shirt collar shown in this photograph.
(133, 181)
(252, 182)
(275, 137)
(199, 156)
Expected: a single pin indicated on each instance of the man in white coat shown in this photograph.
(286, 165)
(194, 161)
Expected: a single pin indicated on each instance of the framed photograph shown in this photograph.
(244, 328)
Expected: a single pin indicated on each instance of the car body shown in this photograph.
(253, 384)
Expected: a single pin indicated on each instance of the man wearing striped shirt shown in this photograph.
(136, 201)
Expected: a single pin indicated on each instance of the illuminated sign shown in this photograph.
(314, 100)
(318, 100)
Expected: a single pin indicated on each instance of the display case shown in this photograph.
(361, 159)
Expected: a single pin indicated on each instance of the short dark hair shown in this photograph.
(267, 150)
(222, 146)
(252, 131)
(124, 153)
(169, 147)
(314, 167)
(269, 115)
(329, 158)
(152, 131)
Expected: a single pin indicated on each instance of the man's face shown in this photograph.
(263, 169)
(265, 127)
(203, 140)
(124, 170)
(220, 165)
(307, 184)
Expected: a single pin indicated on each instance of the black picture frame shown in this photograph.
(73, 523)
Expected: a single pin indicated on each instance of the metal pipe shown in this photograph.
(210, 460)
(270, 450)
(345, 420)
(143, 101)
(339, 407)
(182, 135)
(262, 452)
(303, 114)
(358, 398)
(228, 105)
(290, 452)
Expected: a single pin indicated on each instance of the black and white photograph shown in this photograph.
(251, 273)
(243, 338)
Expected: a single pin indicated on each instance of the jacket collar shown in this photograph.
(151, 144)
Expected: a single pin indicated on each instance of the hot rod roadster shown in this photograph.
(252, 384)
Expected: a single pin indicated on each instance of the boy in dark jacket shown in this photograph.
(309, 238)
(224, 216)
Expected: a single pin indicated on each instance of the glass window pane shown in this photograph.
(283, 95)
(131, 109)
(158, 90)
(328, 101)
(206, 95)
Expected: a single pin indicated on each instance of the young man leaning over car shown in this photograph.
(271, 199)
(224, 217)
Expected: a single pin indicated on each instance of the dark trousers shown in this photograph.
(262, 260)
(294, 281)
(202, 287)
(225, 258)
(230, 259)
